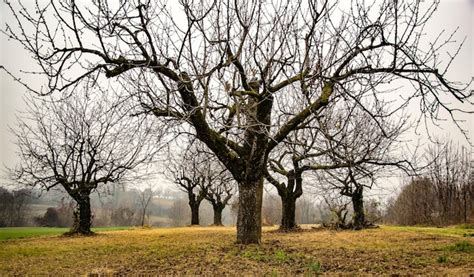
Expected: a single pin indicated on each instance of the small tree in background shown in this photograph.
(219, 192)
(190, 173)
(145, 197)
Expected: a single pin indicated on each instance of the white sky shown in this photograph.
(450, 15)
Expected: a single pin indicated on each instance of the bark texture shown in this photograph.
(218, 215)
(288, 217)
(82, 216)
(249, 220)
(358, 220)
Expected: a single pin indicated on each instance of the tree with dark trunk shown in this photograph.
(288, 193)
(199, 174)
(240, 76)
(190, 172)
(358, 218)
(195, 191)
(81, 143)
(219, 191)
(353, 189)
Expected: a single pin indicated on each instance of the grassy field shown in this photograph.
(27, 232)
(211, 251)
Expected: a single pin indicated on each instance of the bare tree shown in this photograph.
(338, 206)
(191, 173)
(81, 144)
(242, 74)
(145, 196)
(342, 141)
(360, 150)
(219, 191)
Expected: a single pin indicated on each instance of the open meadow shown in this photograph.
(212, 250)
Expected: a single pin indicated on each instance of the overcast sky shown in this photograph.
(450, 15)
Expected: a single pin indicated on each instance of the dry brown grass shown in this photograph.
(211, 251)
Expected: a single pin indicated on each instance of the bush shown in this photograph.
(56, 217)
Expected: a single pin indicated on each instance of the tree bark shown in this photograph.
(143, 218)
(218, 215)
(358, 220)
(249, 219)
(194, 214)
(82, 216)
(288, 205)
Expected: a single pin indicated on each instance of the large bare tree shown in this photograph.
(242, 74)
(80, 143)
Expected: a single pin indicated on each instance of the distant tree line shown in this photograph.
(13, 207)
(442, 195)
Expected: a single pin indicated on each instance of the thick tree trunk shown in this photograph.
(194, 214)
(217, 215)
(249, 220)
(358, 220)
(82, 216)
(288, 208)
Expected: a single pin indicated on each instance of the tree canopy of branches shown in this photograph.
(242, 74)
(80, 143)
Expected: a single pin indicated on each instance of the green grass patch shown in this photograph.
(281, 256)
(255, 254)
(28, 232)
(465, 226)
(462, 246)
(314, 268)
(442, 259)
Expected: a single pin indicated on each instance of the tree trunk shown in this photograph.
(358, 220)
(249, 219)
(217, 215)
(82, 216)
(288, 208)
(194, 214)
(143, 217)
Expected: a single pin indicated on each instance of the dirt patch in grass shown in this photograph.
(212, 251)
